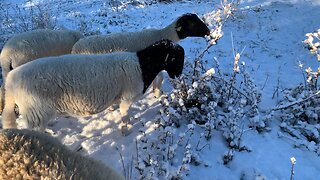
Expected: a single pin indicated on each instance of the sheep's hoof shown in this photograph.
(113, 107)
(126, 129)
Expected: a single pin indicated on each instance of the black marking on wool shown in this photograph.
(190, 25)
(163, 55)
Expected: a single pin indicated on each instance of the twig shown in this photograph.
(276, 91)
(232, 43)
(203, 147)
(137, 150)
(302, 72)
(235, 88)
(198, 141)
(234, 75)
(122, 162)
(239, 139)
(204, 51)
(188, 139)
(292, 172)
(293, 162)
(296, 102)
(244, 48)
(198, 59)
(281, 135)
(265, 82)
(131, 168)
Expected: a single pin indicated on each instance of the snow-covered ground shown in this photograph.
(270, 34)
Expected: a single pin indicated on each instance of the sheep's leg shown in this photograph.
(157, 83)
(8, 115)
(2, 89)
(2, 98)
(125, 124)
(36, 117)
(2, 102)
(114, 106)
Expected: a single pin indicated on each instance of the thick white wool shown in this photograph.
(31, 45)
(126, 41)
(26, 154)
(74, 85)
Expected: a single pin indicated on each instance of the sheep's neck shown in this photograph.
(150, 68)
(170, 33)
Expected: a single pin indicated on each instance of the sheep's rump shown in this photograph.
(31, 45)
(77, 85)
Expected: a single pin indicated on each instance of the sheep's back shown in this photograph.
(35, 44)
(124, 41)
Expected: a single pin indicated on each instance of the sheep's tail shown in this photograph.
(8, 114)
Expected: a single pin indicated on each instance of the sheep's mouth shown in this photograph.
(175, 75)
(205, 33)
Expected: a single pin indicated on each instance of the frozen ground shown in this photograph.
(270, 33)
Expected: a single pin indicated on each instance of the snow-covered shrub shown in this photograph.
(201, 105)
(113, 12)
(210, 99)
(213, 99)
(300, 112)
(85, 25)
(202, 99)
(16, 19)
(300, 108)
(313, 44)
(165, 154)
(149, 2)
(192, 93)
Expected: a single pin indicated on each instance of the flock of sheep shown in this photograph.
(53, 73)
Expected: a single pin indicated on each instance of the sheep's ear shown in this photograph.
(179, 28)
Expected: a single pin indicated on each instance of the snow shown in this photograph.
(270, 34)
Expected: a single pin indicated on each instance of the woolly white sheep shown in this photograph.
(188, 25)
(26, 154)
(31, 45)
(82, 85)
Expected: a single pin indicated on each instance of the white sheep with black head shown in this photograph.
(188, 25)
(35, 44)
(27, 154)
(82, 85)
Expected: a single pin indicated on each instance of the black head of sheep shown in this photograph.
(190, 25)
(162, 55)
